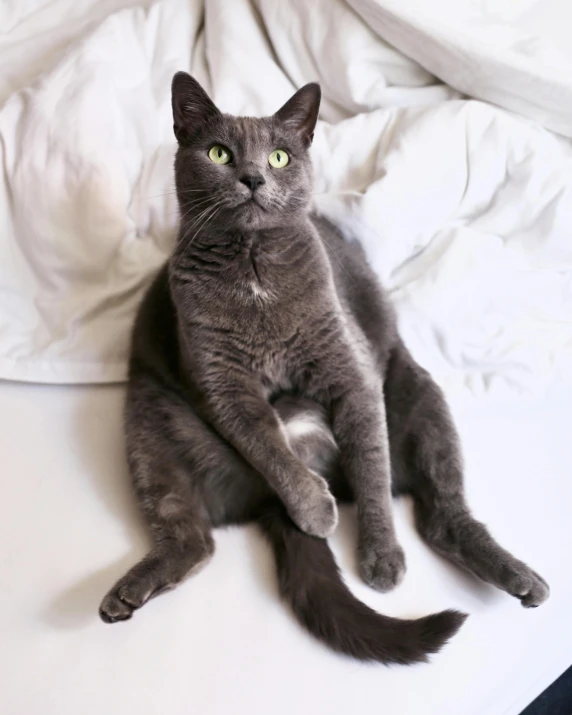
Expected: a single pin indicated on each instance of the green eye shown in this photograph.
(278, 159)
(219, 154)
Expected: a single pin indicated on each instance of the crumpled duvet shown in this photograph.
(464, 206)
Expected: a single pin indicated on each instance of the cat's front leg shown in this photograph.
(359, 425)
(360, 430)
(241, 414)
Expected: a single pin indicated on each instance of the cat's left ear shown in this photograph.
(300, 112)
(192, 106)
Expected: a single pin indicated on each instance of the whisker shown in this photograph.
(201, 227)
(174, 191)
(348, 192)
(213, 210)
(195, 220)
(194, 205)
(338, 259)
(189, 205)
(189, 229)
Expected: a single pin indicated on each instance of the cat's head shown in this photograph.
(242, 173)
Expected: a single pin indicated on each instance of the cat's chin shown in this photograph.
(250, 215)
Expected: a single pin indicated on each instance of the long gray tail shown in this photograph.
(311, 583)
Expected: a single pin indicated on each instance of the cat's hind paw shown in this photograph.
(529, 587)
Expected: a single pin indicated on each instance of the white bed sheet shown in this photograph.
(464, 208)
(222, 642)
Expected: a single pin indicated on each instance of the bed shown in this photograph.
(444, 146)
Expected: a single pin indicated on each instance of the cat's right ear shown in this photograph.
(192, 107)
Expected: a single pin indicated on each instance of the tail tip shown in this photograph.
(439, 628)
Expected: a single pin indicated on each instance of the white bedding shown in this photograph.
(222, 643)
(465, 209)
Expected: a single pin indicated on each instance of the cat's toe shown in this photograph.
(382, 570)
(123, 599)
(526, 585)
(315, 511)
(113, 609)
(534, 590)
(319, 518)
(135, 594)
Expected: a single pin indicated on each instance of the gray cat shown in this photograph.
(267, 381)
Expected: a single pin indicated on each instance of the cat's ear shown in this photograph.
(300, 112)
(192, 107)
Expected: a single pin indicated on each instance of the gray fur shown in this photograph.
(266, 365)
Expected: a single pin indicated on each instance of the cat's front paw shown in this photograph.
(382, 569)
(315, 511)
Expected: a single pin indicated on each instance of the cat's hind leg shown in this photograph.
(428, 465)
(180, 528)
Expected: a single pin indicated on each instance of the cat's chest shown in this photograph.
(276, 353)
(274, 370)
(260, 283)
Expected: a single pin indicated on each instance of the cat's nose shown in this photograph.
(253, 181)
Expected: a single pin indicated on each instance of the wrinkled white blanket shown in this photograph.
(465, 208)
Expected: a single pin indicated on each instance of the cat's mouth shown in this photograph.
(252, 201)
